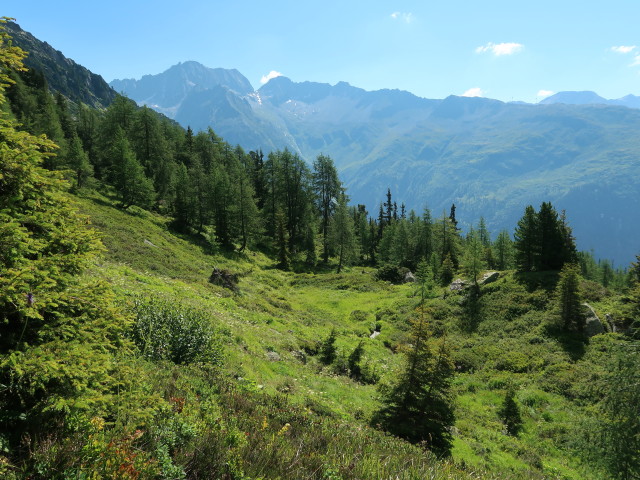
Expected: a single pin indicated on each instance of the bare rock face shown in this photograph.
(610, 322)
(273, 356)
(458, 284)
(489, 277)
(224, 278)
(409, 278)
(593, 324)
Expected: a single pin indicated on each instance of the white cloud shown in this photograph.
(636, 61)
(545, 93)
(624, 49)
(269, 76)
(474, 92)
(405, 17)
(499, 49)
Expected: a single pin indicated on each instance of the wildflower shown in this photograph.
(284, 429)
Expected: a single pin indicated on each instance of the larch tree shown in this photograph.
(132, 185)
(503, 247)
(473, 259)
(342, 234)
(327, 188)
(78, 161)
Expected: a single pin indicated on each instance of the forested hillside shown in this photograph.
(489, 157)
(172, 306)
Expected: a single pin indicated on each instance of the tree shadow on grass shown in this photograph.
(573, 343)
(533, 281)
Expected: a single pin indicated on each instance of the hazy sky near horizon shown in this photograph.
(506, 50)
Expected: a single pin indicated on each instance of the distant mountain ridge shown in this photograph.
(488, 157)
(166, 91)
(63, 74)
(590, 98)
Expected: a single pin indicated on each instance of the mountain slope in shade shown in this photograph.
(63, 74)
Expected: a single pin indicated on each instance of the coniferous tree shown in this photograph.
(373, 244)
(381, 223)
(483, 234)
(503, 248)
(221, 203)
(258, 177)
(616, 443)
(245, 213)
(452, 216)
(328, 349)
(569, 251)
(114, 126)
(385, 246)
(342, 234)
(64, 116)
(634, 271)
(79, 161)
(419, 407)
(447, 270)
(388, 205)
(201, 191)
(567, 296)
(282, 242)
(133, 187)
(400, 250)
(526, 243)
(448, 240)
(310, 247)
(58, 333)
(363, 234)
(550, 239)
(147, 141)
(473, 261)
(86, 126)
(327, 189)
(184, 204)
(423, 234)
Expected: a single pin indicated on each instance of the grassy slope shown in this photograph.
(284, 312)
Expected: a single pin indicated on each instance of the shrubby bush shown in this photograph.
(391, 273)
(167, 331)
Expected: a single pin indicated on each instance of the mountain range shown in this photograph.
(489, 158)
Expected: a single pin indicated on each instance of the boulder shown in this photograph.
(299, 355)
(489, 277)
(409, 278)
(593, 325)
(458, 284)
(273, 356)
(224, 278)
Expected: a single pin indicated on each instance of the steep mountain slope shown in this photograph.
(166, 91)
(63, 74)
(488, 157)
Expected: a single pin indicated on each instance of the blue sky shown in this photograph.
(508, 50)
